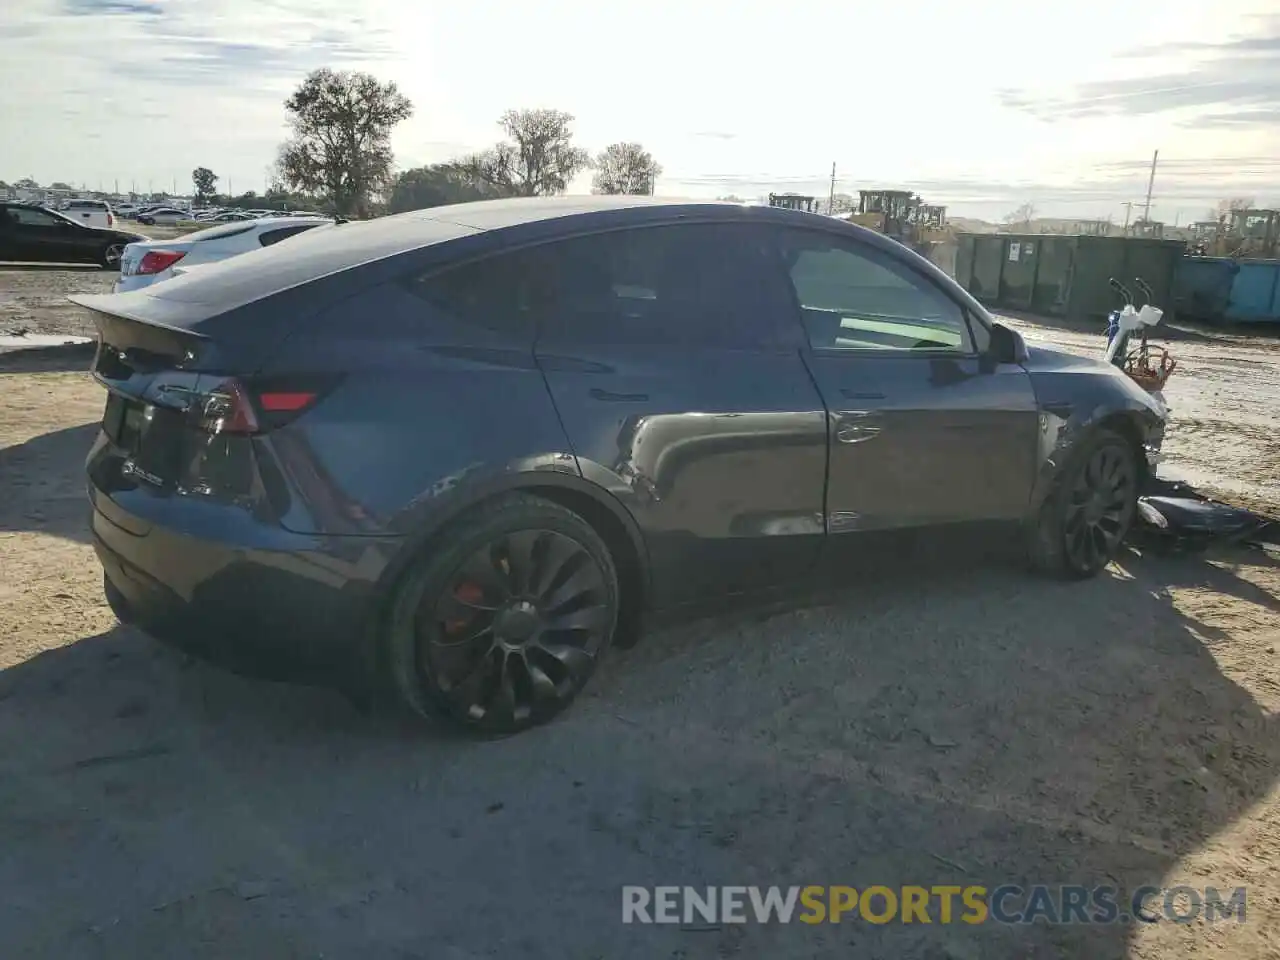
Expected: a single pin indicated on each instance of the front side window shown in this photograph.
(855, 297)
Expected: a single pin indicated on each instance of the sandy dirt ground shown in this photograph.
(960, 727)
(33, 296)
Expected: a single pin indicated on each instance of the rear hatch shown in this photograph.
(182, 360)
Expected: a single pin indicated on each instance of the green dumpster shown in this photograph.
(1064, 275)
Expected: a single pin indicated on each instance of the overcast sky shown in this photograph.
(981, 105)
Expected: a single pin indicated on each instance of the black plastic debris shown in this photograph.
(1175, 515)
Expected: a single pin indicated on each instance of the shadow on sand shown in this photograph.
(980, 728)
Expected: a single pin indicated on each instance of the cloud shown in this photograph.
(715, 135)
(1232, 83)
(94, 8)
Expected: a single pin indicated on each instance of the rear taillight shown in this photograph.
(157, 260)
(237, 407)
(110, 219)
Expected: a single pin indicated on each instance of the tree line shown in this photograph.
(338, 155)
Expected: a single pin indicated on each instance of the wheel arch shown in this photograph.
(599, 508)
(1126, 425)
(1060, 446)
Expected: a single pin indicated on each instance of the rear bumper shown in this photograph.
(129, 284)
(300, 609)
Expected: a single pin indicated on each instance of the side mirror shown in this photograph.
(1007, 346)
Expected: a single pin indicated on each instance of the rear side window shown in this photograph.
(268, 237)
(678, 285)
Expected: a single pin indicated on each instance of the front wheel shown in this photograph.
(505, 619)
(1083, 522)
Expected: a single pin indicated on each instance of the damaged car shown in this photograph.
(452, 456)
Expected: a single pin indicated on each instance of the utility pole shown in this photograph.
(831, 196)
(1128, 211)
(1151, 182)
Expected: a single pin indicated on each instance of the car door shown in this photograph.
(43, 236)
(679, 397)
(9, 234)
(928, 434)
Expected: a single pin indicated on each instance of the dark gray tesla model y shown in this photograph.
(450, 453)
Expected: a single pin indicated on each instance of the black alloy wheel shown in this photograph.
(1099, 507)
(510, 621)
(1083, 524)
(110, 256)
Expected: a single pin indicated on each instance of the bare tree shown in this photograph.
(341, 145)
(539, 158)
(625, 168)
(1022, 216)
(842, 203)
(1234, 204)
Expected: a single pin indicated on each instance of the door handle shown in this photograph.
(609, 395)
(856, 395)
(857, 426)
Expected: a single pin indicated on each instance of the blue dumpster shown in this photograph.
(1202, 287)
(1255, 293)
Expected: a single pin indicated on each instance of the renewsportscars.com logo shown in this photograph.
(942, 904)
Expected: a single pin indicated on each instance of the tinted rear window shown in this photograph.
(237, 280)
(222, 232)
(269, 237)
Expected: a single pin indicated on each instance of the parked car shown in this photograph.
(31, 233)
(462, 448)
(92, 213)
(151, 261)
(167, 215)
(231, 216)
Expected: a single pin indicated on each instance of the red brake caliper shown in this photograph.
(465, 592)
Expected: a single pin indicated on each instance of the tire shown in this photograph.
(1083, 522)
(109, 256)
(502, 622)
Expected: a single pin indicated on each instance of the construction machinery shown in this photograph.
(794, 201)
(1241, 234)
(902, 215)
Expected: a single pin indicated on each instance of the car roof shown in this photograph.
(337, 248)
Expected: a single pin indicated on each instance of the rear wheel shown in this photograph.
(504, 620)
(109, 256)
(1083, 522)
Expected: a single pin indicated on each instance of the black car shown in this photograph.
(457, 450)
(32, 233)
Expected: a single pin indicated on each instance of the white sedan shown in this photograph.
(151, 261)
